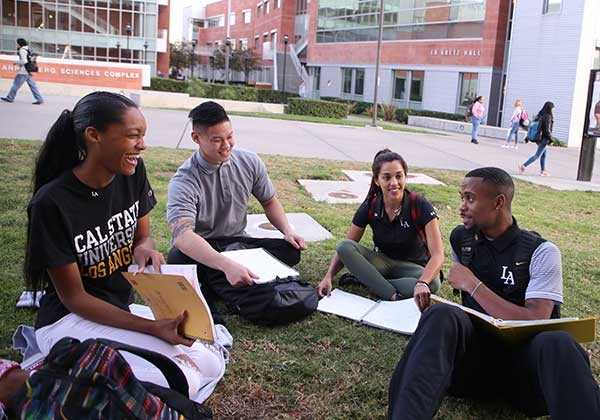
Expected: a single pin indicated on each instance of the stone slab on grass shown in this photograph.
(560, 184)
(259, 227)
(336, 192)
(413, 177)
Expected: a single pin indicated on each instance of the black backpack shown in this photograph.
(279, 302)
(91, 380)
(31, 66)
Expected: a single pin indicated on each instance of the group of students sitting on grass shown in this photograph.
(89, 220)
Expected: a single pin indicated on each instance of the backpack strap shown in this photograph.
(371, 213)
(175, 377)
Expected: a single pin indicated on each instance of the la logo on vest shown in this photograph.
(507, 276)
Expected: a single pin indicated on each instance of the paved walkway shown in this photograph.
(21, 120)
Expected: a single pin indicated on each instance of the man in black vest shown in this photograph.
(547, 374)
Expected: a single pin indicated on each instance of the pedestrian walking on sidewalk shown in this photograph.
(477, 113)
(515, 120)
(23, 75)
(542, 139)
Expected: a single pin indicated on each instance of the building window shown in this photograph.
(468, 90)
(301, 7)
(256, 42)
(416, 86)
(267, 8)
(232, 18)
(353, 81)
(258, 9)
(552, 6)
(316, 74)
(247, 16)
(277, 4)
(400, 78)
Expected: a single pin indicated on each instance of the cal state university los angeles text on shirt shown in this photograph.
(94, 228)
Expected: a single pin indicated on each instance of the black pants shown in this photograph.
(214, 284)
(548, 374)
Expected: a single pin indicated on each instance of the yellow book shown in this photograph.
(582, 330)
(167, 295)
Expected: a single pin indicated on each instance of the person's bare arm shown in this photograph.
(276, 215)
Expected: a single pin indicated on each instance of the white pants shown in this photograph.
(202, 365)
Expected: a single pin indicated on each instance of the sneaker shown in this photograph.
(7, 100)
(37, 103)
(516, 147)
(348, 279)
(544, 173)
(505, 146)
(474, 141)
(521, 169)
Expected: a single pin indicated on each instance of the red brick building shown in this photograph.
(436, 54)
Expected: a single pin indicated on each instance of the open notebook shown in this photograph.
(172, 291)
(400, 316)
(261, 263)
(582, 330)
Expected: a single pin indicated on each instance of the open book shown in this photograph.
(582, 330)
(169, 294)
(261, 263)
(401, 316)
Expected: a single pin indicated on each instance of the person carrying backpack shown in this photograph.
(515, 121)
(408, 254)
(543, 137)
(23, 75)
(88, 220)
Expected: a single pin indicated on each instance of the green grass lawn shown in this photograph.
(324, 366)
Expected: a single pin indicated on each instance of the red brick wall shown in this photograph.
(487, 52)
(162, 59)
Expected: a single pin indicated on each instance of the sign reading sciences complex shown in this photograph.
(78, 72)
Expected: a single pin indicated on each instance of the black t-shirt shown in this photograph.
(398, 239)
(73, 223)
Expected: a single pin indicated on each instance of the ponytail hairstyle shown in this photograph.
(381, 157)
(65, 146)
(63, 150)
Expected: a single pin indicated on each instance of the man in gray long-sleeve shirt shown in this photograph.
(23, 75)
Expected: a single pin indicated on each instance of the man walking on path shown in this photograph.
(23, 75)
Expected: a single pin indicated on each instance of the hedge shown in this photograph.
(403, 113)
(168, 85)
(317, 108)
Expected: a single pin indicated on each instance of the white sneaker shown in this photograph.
(516, 147)
(505, 146)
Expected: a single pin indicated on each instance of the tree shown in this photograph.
(239, 60)
(179, 56)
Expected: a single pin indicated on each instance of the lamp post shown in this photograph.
(285, 42)
(119, 51)
(145, 52)
(379, 36)
(227, 45)
(192, 57)
(211, 61)
(128, 33)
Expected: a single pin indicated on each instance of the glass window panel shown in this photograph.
(359, 82)
(9, 15)
(552, 6)
(23, 13)
(76, 15)
(347, 80)
(416, 86)
(37, 16)
(89, 19)
(468, 88)
(115, 4)
(102, 21)
(400, 77)
(62, 18)
(138, 24)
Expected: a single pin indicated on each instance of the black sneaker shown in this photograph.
(474, 141)
(7, 100)
(349, 279)
(37, 103)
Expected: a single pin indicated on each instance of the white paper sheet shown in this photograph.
(261, 263)
(186, 270)
(345, 304)
(400, 316)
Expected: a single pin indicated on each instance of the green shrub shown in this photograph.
(274, 96)
(317, 108)
(168, 85)
(198, 89)
(403, 113)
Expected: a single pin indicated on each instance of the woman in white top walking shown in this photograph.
(515, 119)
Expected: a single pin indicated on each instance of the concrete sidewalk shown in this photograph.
(21, 120)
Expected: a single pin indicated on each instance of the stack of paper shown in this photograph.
(261, 263)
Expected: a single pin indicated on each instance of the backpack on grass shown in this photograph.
(91, 380)
(32, 66)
